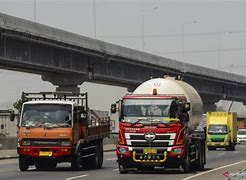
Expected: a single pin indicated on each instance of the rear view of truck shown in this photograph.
(59, 127)
(221, 130)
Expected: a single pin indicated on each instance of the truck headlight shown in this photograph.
(177, 150)
(25, 142)
(208, 139)
(65, 143)
(123, 150)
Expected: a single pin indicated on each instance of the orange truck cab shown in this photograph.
(59, 127)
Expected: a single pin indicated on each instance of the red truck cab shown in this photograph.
(153, 132)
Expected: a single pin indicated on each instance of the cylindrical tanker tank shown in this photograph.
(171, 86)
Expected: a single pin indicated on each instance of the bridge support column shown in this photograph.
(209, 102)
(209, 107)
(65, 82)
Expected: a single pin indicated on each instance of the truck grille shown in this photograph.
(137, 140)
(45, 142)
(217, 140)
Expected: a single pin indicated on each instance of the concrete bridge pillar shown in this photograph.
(209, 107)
(64, 82)
(209, 102)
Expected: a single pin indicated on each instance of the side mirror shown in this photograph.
(113, 108)
(186, 107)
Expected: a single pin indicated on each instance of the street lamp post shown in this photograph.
(191, 22)
(35, 10)
(142, 25)
(219, 46)
(94, 13)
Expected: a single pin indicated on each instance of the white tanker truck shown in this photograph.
(157, 127)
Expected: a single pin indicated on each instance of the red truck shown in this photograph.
(59, 127)
(157, 125)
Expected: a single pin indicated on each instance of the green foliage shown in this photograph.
(18, 104)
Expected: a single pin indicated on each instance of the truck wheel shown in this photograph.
(76, 161)
(23, 164)
(231, 147)
(186, 164)
(200, 161)
(100, 154)
(96, 160)
(122, 169)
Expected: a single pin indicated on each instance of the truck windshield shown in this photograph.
(217, 129)
(241, 132)
(46, 115)
(145, 109)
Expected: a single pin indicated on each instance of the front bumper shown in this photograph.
(45, 152)
(218, 144)
(163, 157)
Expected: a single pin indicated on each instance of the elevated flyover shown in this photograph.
(67, 60)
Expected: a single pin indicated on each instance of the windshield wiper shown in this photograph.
(63, 125)
(139, 120)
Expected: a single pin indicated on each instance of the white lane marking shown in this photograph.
(8, 162)
(212, 170)
(116, 169)
(76, 177)
(221, 154)
(111, 159)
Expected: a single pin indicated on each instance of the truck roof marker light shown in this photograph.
(154, 91)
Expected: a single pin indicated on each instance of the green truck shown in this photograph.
(221, 130)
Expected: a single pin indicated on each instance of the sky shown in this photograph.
(209, 33)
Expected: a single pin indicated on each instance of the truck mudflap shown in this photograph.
(150, 157)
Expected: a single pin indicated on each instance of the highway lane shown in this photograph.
(9, 169)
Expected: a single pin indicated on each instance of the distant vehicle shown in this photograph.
(59, 127)
(9, 113)
(241, 136)
(221, 130)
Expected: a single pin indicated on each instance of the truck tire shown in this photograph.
(23, 164)
(199, 165)
(231, 147)
(100, 151)
(95, 162)
(186, 164)
(76, 160)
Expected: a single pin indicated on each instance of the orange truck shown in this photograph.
(59, 127)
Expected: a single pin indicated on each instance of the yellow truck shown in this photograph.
(221, 130)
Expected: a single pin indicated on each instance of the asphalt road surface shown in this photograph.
(218, 163)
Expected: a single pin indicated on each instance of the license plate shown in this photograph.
(150, 151)
(45, 153)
